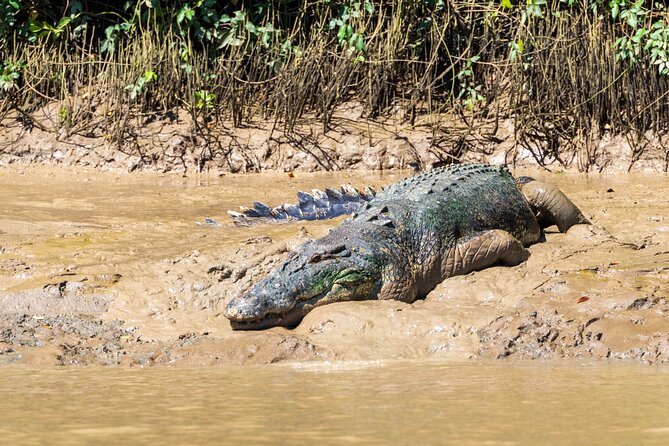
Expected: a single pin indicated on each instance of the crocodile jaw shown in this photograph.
(317, 273)
(290, 319)
(244, 313)
(259, 308)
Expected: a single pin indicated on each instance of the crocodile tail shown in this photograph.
(314, 205)
(551, 205)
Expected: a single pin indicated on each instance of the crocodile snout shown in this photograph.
(256, 310)
(245, 308)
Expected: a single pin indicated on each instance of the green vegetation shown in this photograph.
(566, 71)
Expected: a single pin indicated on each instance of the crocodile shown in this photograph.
(317, 205)
(406, 240)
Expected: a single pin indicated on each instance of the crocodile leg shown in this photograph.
(550, 204)
(481, 251)
(472, 253)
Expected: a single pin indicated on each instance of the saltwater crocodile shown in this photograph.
(408, 239)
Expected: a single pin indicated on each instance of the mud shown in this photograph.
(101, 269)
(351, 141)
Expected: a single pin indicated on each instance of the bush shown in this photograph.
(566, 71)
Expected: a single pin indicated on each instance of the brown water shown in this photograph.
(133, 245)
(115, 218)
(420, 402)
(69, 224)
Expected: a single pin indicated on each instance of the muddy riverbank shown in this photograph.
(351, 142)
(105, 268)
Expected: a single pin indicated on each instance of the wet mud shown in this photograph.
(106, 269)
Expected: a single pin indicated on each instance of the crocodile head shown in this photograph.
(319, 272)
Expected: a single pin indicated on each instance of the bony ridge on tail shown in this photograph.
(408, 239)
(317, 205)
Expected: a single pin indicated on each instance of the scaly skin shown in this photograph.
(408, 239)
(317, 205)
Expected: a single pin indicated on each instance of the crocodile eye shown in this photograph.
(315, 258)
(337, 250)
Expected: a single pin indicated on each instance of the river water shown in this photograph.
(345, 385)
(376, 403)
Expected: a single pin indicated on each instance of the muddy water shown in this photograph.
(107, 219)
(419, 402)
(103, 268)
(90, 226)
